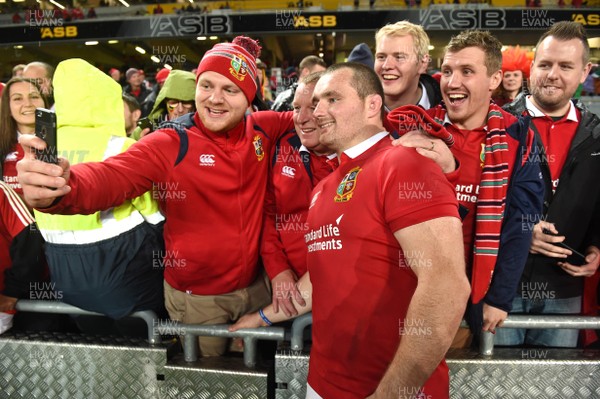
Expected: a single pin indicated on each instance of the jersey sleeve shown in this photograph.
(271, 250)
(414, 190)
(102, 185)
(274, 124)
(15, 215)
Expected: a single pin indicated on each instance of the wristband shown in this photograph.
(262, 316)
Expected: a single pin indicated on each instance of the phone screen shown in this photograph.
(576, 258)
(45, 128)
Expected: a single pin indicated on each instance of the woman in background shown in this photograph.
(516, 64)
(20, 98)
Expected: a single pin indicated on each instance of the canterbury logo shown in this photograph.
(288, 171)
(207, 160)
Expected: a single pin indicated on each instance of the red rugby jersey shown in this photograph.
(361, 287)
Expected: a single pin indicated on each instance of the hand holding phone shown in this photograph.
(576, 258)
(146, 123)
(45, 128)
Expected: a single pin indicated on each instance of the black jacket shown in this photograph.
(574, 208)
(432, 87)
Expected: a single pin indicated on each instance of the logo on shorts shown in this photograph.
(207, 160)
(258, 148)
(346, 188)
(288, 171)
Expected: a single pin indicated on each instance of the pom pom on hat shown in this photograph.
(249, 44)
(236, 61)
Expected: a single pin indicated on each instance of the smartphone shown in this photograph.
(45, 128)
(576, 258)
(146, 123)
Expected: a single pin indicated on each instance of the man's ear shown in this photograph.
(374, 104)
(137, 114)
(586, 71)
(495, 80)
(424, 63)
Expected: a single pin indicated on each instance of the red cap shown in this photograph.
(236, 61)
(162, 75)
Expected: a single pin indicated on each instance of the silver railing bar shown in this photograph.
(26, 305)
(486, 344)
(190, 333)
(298, 326)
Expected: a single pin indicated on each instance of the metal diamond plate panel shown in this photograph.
(32, 366)
(509, 374)
(525, 373)
(291, 372)
(214, 378)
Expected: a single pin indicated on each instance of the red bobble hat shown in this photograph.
(236, 61)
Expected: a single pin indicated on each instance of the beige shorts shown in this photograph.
(216, 309)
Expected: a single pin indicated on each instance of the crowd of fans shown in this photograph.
(463, 215)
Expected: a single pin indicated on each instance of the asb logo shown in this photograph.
(207, 160)
(288, 171)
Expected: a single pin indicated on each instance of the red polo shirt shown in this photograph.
(556, 136)
(361, 285)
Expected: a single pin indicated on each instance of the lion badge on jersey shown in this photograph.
(258, 147)
(346, 188)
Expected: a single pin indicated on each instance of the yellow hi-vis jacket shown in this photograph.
(91, 127)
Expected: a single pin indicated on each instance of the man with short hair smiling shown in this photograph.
(401, 60)
(211, 179)
(299, 162)
(499, 177)
(375, 256)
(552, 283)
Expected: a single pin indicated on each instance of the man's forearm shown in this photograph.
(426, 334)
(305, 288)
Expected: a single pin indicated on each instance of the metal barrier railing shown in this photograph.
(156, 328)
(298, 326)
(486, 344)
(190, 333)
(26, 305)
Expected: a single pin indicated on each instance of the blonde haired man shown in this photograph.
(401, 60)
